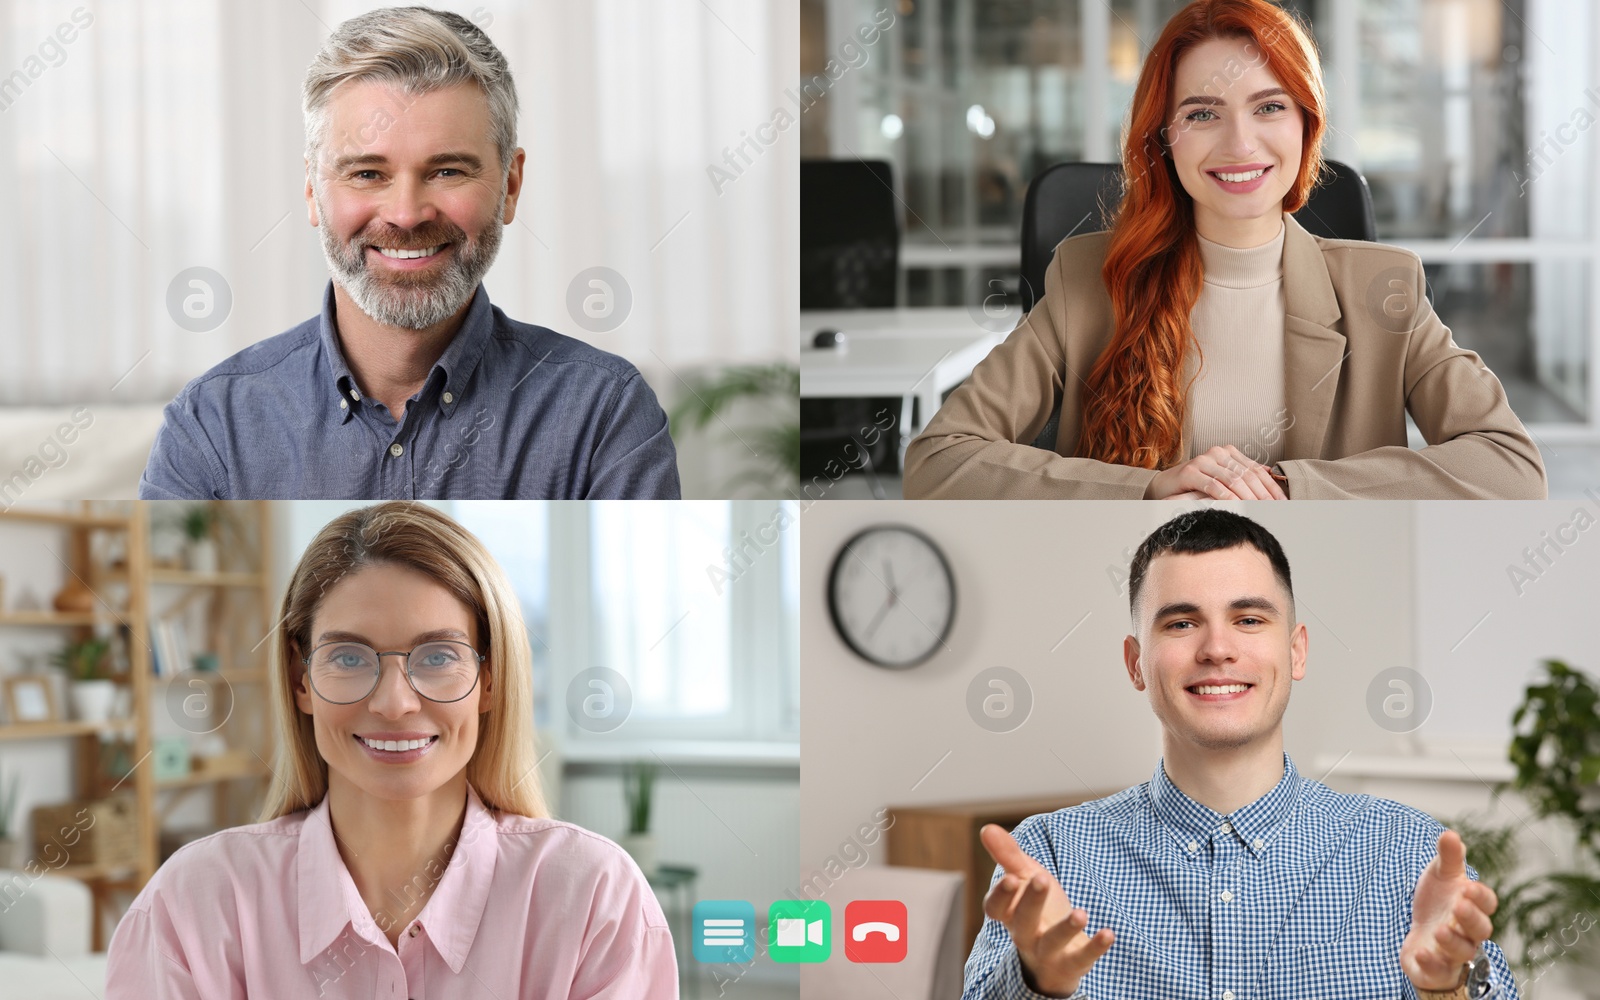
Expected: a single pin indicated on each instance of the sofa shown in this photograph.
(45, 930)
(94, 452)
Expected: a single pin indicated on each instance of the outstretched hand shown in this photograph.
(1046, 929)
(1449, 919)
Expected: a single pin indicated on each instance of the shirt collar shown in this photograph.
(346, 395)
(1254, 824)
(452, 371)
(451, 916)
(329, 900)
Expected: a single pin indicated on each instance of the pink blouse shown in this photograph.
(532, 909)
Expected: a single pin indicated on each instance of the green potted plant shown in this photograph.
(10, 836)
(775, 439)
(92, 693)
(638, 784)
(200, 549)
(1555, 748)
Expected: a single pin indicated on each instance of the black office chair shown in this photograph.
(1069, 199)
(849, 259)
(849, 235)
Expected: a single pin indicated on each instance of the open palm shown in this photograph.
(1047, 931)
(1449, 919)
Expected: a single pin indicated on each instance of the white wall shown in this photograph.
(1482, 630)
(1026, 574)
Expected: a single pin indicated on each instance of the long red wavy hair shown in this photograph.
(1134, 408)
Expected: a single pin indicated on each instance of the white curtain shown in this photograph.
(166, 134)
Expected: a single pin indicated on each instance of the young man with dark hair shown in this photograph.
(1228, 875)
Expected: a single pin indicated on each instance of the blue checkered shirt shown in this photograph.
(1303, 893)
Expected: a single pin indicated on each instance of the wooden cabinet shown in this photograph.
(946, 837)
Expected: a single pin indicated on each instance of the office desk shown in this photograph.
(915, 354)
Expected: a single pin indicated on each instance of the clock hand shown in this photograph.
(878, 618)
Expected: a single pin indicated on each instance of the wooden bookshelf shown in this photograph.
(80, 518)
(235, 602)
(54, 619)
(48, 730)
(222, 771)
(188, 579)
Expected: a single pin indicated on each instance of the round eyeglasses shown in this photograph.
(347, 672)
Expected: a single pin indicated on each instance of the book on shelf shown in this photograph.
(169, 647)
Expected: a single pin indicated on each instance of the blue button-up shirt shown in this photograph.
(509, 410)
(1303, 893)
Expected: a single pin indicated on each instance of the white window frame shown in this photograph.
(762, 725)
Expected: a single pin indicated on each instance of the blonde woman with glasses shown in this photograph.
(406, 850)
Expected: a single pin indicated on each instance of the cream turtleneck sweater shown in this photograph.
(1237, 397)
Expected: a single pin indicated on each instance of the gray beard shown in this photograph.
(412, 304)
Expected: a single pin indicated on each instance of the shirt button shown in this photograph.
(343, 405)
(413, 930)
(355, 395)
(1227, 897)
(1227, 827)
(449, 397)
(396, 449)
(1259, 843)
(1227, 995)
(1193, 846)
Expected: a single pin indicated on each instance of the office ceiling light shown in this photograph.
(979, 121)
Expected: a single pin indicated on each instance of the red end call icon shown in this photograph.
(875, 930)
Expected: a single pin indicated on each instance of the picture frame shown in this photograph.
(30, 698)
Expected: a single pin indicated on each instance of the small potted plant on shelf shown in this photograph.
(10, 842)
(200, 550)
(92, 692)
(638, 782)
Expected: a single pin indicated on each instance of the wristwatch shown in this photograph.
(1474, 984)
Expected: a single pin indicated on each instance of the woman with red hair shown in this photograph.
(1207, 345)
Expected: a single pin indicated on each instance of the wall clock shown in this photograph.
(891, 596)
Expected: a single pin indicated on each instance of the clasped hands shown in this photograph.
(1220, 473)
(1449, 919)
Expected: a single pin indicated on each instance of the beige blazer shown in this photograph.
(1362, 347)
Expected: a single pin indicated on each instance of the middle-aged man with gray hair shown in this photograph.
(411, 384)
